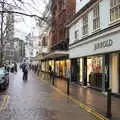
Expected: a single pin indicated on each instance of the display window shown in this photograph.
(47, 66)
(62, 67)
(57, 68)
(79, 70)
(51, 63)
(94, 71)
(67, 67)
(43, 66)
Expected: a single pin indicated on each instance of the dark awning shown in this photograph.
(56, 54)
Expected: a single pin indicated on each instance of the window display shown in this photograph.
(94, 71)
(61, 67)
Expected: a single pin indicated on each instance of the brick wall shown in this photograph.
(62, 10)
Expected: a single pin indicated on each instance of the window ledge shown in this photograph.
(76, 40)
(84, 36)
(97, 30)
(114, 22)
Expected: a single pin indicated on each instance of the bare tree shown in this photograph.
(6, 25)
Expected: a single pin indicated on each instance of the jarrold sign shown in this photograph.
(103, 44)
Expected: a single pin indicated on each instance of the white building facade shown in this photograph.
(94, 44)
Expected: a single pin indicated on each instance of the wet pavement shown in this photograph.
(89, 97)
(35, 100)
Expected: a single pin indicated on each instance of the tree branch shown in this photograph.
(29, 15)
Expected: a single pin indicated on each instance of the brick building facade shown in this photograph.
(62, 11)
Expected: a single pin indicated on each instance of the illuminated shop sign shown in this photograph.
(103, 44)
(80, 4)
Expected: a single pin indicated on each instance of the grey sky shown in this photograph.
(23, 24)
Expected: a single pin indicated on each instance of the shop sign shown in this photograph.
(103, 44)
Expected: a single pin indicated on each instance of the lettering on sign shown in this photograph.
(103, 44)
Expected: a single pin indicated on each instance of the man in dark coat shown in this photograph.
(25, 71)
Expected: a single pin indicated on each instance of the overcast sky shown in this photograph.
(23, 24)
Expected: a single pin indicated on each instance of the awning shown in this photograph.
(56, 54)
(38, 57)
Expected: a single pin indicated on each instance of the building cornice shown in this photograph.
(110, 30)
(82, 11)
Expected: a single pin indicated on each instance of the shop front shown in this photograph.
(95, 71)
(95, 68)
(59, 62)
(62, 67)
(43, 64)
(96, 61)
(51, 63)
(80, 70)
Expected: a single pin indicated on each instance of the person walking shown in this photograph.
(12, 68)
(25, 70)
(50, 71)
(15, 67)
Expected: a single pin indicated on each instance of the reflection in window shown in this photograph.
(114, 10)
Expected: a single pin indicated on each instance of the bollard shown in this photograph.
(109, 113)
(68, 87)
(53, 78)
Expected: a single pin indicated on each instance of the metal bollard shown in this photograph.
(68, 87)
(109, 113)
(53, 79)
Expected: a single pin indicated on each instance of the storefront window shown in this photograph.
(43, 66)
(68, 65)
(94, 71)
(47, 66)
(89, 68)
(62, 67)
(57, 68)
(51, 63)
(79, 70)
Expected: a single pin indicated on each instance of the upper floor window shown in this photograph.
(76, 34)
(114, 10)
(85, 24)
(96, 18)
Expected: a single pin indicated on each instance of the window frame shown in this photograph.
(96, 17)
(76, 34)
(85, 24)
(114, 10)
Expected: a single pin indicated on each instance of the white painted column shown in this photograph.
(115, 73)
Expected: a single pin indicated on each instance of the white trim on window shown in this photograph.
(85, 24)
(76, 34)
(114, 10)
(96, 18)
